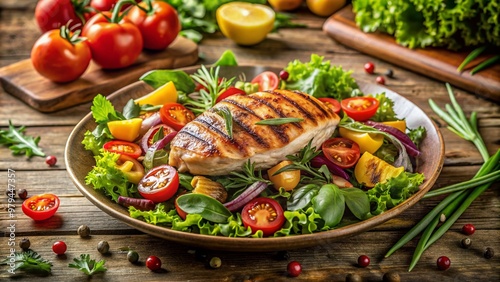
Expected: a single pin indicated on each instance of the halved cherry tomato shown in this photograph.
(166, 131)
(180, 212)
(123, 148)
(159, 184)
(133, 170)
(41, 207)
(360, 108)
(229, 92)
(341, 151)
(267, 80)
(175, 115)
(264, 214)
(332, 103)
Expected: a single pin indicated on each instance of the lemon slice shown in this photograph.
(245, 23)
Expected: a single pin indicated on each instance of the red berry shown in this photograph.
(284, 75)
(443, 263)
(294, 268)
(363, 261)
(59, 247)
(380, 80)
(369, 67)
(468, 229)
(153, 263)
(51, 160)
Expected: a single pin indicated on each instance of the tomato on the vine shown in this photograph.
(123, 148)
(360, 108)
(230, 91)
(175, 115)
(60, 56)
(103, 5)
(267, 80)
(341, 151)
(52, 14)
(159, 23)
(332, 103)
(159, 184)
(41, 207)
(114, 43)
(264, 214)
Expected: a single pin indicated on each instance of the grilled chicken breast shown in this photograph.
(204, 147)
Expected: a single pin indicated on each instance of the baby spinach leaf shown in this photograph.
(302, 196)
(330, 204)
(208, 207)
(182, 81)
(357, 201)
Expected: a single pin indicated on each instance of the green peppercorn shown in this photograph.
(25, 244)
(466, 243)
(215, 262)
(83, 231)
(132, 256)
(103, 247)
(488, 253)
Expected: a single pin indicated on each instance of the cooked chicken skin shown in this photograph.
(203, 146)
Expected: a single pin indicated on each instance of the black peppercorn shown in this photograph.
(23, 194)
(389, 73)
(488, 253)
(25, 244)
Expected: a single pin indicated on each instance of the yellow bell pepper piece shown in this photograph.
(127, 130)
(368, 142)
(132, 176)
(163, 94)
(371, 170)
(399, 124)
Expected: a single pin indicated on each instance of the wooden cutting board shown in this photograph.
(437, 63)
(21, 80)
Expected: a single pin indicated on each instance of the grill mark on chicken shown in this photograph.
(276, 110)
(317, 105)
(212, 147)
(216, 130)
(296, 105)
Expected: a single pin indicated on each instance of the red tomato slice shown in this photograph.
(175, 115)
(341, 151)
(360, 108)
(159, 184)
(123, 148)
(263, 214)
(332, 103)
(166, 131)
(229, 92)
(267, 80)
(41, 207)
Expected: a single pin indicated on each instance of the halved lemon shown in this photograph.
(245, 23)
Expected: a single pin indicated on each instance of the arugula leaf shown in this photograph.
(30, 262)
(19, 143)
(87, 265)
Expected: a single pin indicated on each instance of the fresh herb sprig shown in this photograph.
(242, 179)
(87, 265)
(19, 143)
(207, 98)
(457, 202)
(30, 262)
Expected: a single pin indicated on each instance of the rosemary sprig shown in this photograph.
(225, 113)
(212, 84)
(278, 121)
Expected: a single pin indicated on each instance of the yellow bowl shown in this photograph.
(245, 23)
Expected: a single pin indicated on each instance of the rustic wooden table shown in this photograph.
(325, 262)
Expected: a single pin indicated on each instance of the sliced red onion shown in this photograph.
(140, 204)
(320, 160)
(411, 148)
(158, 145)
(249, 194)
(152, 130)
(149, 122)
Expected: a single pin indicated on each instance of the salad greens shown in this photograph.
(314, 205)
(19, 143)
(87, 265)
(30, 262)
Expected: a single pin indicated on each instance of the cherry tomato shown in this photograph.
(103, 5)
(341, 151)
(159, 26)
(360, 108)
(264, 214)
(123, 148)
(59, 247)
(41, 207)
(133, 170)
(332, 103)
(286, 179)
(159, 184)
(175, 115)
(166, 131)
(294, 268)
(58, 57)
(52, 14)
(230, 92)
(153, 263)
(267, 80)
(113, 44)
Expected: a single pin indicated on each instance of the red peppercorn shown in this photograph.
(443, 263)
(468, 229)
(153, 263)
(363, 261)
(59, 247)
(294, 268)
(284, 75)
(380, 80)
(51, 160)
(369, 67)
